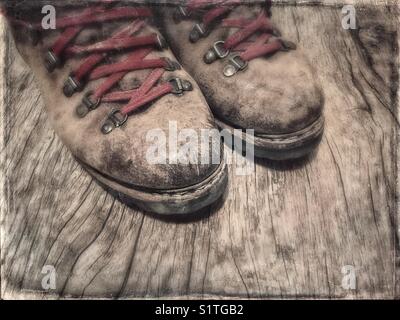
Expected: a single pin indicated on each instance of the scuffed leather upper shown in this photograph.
(121, 154)
(275, 95)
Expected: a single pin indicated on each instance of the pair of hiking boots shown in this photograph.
(108, 77)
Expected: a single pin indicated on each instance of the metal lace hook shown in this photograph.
(180, 86)
(87, 105)
(217, 51)
(114, 120)
(236, 64)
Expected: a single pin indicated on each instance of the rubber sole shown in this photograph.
(171, 202)
(284, 146)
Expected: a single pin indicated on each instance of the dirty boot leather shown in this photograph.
(252, 76)
(107, 79)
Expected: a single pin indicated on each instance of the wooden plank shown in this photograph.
(286, 231)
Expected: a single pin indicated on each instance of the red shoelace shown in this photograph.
(93, 55)
(253, 38)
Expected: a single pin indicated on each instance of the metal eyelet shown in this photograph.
(236, 64)
(180, 14)
(161, 42)
(171, 65)
(217, 51)
(287, 45)
(72, 86)
(114, 120)
(51, 61)
(180, 86)
(87, 105)
(198, 31)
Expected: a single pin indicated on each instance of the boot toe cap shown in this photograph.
(275, 95)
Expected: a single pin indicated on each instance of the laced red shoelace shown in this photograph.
(91, 68)
(253, 38)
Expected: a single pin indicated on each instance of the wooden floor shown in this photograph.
(285, 231)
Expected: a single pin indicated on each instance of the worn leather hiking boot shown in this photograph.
(108, 79)
(251, 75)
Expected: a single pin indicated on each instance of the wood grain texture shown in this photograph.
(285, 231)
